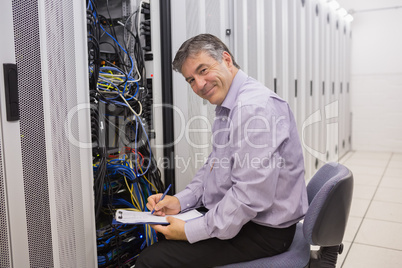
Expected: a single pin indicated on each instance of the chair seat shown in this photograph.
(297, 256)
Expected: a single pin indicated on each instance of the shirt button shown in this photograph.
(188, 205)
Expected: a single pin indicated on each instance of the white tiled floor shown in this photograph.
(373, 235)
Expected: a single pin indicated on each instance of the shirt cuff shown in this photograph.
(196, 230)
(187, 199)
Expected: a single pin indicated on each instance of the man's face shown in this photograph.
(209, 78)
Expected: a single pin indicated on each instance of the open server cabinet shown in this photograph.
(121, 88)
(65, 146)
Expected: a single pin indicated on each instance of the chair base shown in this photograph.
(325, 257)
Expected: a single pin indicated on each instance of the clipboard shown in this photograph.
(139, 217)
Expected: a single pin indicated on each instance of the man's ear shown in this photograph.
(227, 59)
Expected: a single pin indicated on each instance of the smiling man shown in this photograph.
(209, 78)
(252, 184)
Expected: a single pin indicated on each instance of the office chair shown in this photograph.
(329, 196)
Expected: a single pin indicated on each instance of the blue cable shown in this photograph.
(120, 201)
(136, 92)
(131, 60)
(149, 145)
(135, 141)
(125, 171)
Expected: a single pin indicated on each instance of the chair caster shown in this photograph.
(325, 257)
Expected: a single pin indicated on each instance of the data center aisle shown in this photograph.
(373, 235)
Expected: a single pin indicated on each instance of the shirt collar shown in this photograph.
(230, 100)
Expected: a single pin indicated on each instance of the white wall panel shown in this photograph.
(269, 59)
(293, 80)
(348, 119)
(308, 123)
(329, 56)
(335, 87)
(193, 116)
(319, 28)
(303, 82)
(282, 49)
(300, 112)
(241, 34)
(253, 38)
(341, 122)
(316, 10)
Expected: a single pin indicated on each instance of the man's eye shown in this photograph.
(190, 81)
(203, 71)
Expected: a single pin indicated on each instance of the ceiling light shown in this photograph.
(334, 5)
(342, 12)
(349, 18)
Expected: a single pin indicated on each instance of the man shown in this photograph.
(253, 181)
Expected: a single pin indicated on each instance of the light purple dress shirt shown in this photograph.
(255, 171)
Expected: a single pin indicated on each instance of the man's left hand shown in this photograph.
(173, 231)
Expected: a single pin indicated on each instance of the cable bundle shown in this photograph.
(125, 171)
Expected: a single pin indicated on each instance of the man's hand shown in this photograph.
(169, 205)
(174, 231)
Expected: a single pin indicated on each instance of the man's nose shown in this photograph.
(199, 83)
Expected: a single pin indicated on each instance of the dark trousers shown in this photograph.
(254, 241)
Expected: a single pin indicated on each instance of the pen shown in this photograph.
(163, 196)
(212, 166)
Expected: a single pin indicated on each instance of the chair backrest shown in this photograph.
(330, 196)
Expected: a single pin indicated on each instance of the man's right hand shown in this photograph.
(169, 205)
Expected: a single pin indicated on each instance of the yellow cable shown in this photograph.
(141, 206)
(130, 209)
(133, 199)
(141, 199)
(139, 166)
(110, 84)
(153, 186)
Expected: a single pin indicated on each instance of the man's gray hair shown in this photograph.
(208, 43)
